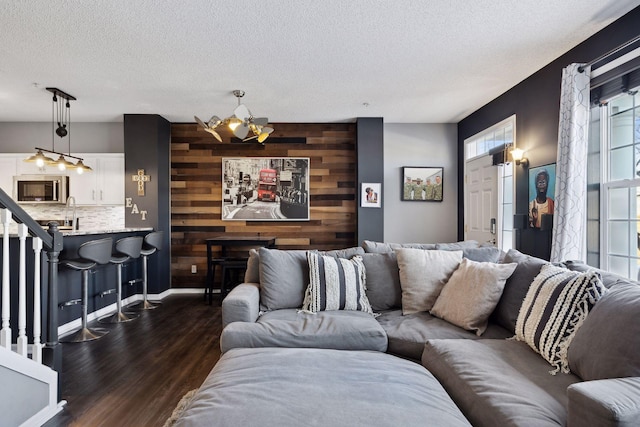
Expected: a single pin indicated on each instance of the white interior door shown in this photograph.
(481, 200)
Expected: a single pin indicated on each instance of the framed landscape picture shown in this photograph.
(265, 189)
(422, 184)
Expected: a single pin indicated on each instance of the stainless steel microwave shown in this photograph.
(40, 188)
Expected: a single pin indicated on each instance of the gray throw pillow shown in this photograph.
(608, 279)
(343, 253)
(424, 246)
(516, 288)
(383, 280)
(486, 254)
(457, 246)
(284, 276)
(372, 247)
(252, 273)
(607, 345)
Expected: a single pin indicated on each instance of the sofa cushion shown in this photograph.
(471, 294)
(499, 382)
(342, 330)
(607, 345)
(407, 334)
(612, 402)
(335, 284)
(516, 287)
(383, 280)
(457, 246)
(608, 279)
(423, 273)
(380, 247)
(284, 275)
(343, 253)
(292, 387)
(555, 306)
(486, 254)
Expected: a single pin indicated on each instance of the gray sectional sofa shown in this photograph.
(493, 378)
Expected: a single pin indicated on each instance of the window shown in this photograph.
(497, 135)
(613, 185)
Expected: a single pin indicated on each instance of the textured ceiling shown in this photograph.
(298, 61)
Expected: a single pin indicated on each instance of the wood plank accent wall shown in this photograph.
(196, 192)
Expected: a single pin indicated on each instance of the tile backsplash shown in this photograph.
(89, 217)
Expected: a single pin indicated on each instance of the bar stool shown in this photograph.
(126, 248)
(231, 265)
(90, 253)
(152, 243)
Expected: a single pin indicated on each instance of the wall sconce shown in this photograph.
(518, 156)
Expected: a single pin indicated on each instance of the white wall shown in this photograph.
(420, 145)
(23, 137)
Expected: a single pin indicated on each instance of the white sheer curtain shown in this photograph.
(570, 215)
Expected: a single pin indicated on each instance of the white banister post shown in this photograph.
(5, 333)
(36, 351)
(23, 232)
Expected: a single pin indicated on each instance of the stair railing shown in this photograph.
(45, 295)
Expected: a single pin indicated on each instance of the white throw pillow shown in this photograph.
(423, 273)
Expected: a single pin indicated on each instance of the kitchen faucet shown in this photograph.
(66, 213)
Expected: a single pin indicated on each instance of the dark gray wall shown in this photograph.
(147, 139)
(536, 104)
(370, 164)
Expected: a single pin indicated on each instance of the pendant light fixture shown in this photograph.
(240, 123)
(60, 115)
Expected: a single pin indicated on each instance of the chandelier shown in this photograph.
(240, 123)
(60, 114)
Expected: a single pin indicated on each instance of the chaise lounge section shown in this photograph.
(494, 376)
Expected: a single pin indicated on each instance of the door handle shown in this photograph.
(493, 226)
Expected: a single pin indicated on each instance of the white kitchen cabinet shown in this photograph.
(104, 185)
(7, 171)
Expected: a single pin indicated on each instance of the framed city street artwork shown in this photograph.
(422, 184)
(371, 195)
(542, 195)
(265, 189)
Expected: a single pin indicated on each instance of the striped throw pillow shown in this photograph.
(335, 284)
(555, 306)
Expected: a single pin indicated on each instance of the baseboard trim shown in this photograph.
(74, 325)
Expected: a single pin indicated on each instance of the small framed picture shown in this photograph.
(542, 193)
(422, 184)
(371, 195)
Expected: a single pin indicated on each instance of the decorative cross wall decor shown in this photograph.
(141, 178)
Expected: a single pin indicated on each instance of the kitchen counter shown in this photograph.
(104, 231)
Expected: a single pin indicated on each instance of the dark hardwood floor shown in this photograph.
(136, 374)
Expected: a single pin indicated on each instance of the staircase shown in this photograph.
(29, 369)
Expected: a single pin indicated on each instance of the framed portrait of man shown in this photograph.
(542, 193)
